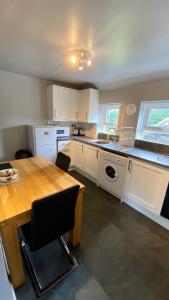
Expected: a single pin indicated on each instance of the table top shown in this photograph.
(39, 179)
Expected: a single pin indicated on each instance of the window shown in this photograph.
(153, 122)
(108, 118)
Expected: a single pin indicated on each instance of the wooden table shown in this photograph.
(39, 179)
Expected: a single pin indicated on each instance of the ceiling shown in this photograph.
(129, 39)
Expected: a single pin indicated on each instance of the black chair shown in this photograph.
(22, 153)
(63, 161)
(51, 217)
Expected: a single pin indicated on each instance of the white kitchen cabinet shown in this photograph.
(86, 159)
(91, 160)
(56, 103)
(88, 105)
(65, 104)
(79, 155)
(67, 147)
(72, 105)
(145, 185)
(6, 289)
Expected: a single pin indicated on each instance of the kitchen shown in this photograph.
(114, 128)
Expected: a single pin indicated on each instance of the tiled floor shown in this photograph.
(122, 256)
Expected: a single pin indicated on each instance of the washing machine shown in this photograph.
(112, 169)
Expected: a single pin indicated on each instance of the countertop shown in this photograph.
(148, 156)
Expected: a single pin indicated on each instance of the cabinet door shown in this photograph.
(67, 147)
(59, 103)
(73, 105)
(88, 105)
(6, 288)
(79, 155)
(91, 161)
(93, 106)
(84, 105)
(145, 185)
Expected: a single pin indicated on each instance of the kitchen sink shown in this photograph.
(101, 142)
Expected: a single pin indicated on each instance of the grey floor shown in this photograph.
(122, 256)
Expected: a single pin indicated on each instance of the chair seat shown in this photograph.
(26, 233)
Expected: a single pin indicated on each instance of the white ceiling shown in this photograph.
(129, 39)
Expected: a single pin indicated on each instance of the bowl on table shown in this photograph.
(8, 175)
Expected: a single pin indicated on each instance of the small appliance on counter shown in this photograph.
(77, 131)
(62, 131)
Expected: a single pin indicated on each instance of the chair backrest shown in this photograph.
(52, 217)
(63, 161)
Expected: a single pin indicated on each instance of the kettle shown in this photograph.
(75, 130)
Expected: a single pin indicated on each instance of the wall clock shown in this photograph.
(131, 108)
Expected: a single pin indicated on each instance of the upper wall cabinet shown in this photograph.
(88, 105)
(72, 105)
(56, 103)
(65, 104)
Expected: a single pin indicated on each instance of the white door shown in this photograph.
(91, 160)
(79, 155)
(45, 135)
(146, 185)
(73, 105)
(59, 103)
(47, 151)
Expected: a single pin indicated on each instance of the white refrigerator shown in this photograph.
(42, 141)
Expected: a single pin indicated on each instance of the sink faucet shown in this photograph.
(113, 137)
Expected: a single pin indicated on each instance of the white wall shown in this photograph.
(155, 90)
(22, 101)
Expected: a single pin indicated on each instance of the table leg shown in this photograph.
(74, 234)
(13, 255)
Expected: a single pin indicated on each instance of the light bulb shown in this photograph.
(89, 62)
(73, 59)
(80, 68)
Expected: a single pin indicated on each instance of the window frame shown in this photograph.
(103, 107)
(144, 113)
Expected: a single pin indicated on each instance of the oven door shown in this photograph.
(111, 172)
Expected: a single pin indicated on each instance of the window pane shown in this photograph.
(159, 117)
(112, 116)
(153, 123)
(156, 137)
(108, 118)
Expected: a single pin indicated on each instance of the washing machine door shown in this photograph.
(111, 172)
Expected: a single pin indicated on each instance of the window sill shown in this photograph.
(160, 148)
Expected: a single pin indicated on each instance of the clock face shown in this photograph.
(131, 109)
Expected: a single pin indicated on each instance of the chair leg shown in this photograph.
(40, 291)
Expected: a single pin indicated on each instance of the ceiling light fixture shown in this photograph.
(80, 58)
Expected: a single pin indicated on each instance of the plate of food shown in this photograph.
(8, 175)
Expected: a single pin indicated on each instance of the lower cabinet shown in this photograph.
(145, 185)
(67, 147)
(6, 289)
(91, 161)
(86, 159)
(79, 155)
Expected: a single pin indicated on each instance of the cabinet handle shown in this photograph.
(86, 115)
(46, 133)
(97, 154)
(130, 166)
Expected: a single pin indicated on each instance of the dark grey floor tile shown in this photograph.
(122, 256)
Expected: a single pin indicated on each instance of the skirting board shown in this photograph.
(158, 219)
